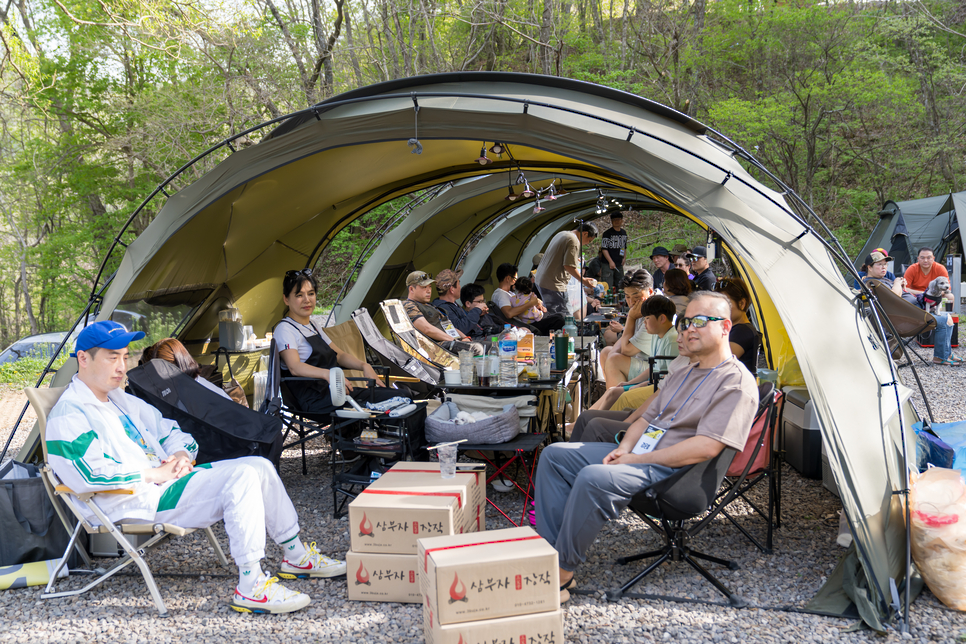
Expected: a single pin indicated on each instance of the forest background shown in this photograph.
(849, 103)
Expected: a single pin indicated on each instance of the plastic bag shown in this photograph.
(954, 435)
(938, 511)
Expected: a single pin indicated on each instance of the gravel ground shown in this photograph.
(805, 553)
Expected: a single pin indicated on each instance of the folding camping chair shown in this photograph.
(907, 318)
(43, 400)
(412, 341)
(766, 469)
(667, 505)
(400, 364)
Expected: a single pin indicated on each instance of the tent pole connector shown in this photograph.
(165, 193)
(803, 233)
(231, 147)
(727, 176)
(317, 116)
(630, 133)
(901, 492)
(889, 384)
(526, 106)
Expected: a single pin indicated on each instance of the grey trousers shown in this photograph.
(555, 301)
(599, 426)
(577, 494)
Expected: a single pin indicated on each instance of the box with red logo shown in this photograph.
(391, 521)
(485, 575)
(382, 577)
(421, 476)
(537, 628)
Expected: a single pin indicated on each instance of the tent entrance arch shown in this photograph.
(229, 236)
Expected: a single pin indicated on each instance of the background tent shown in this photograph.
(227, 239)
(906, 226)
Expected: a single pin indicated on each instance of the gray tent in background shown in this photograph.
(905, 226)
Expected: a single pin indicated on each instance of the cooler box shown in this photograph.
(801, 434)
(925, 340)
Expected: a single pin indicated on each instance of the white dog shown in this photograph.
(933, 296)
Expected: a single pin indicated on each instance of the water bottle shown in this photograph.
(508, 357)
(571, 330)
(553, 352)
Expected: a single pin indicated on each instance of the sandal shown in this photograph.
(949, 362)
(570, 585)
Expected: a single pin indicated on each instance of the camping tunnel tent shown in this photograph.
(229, 236)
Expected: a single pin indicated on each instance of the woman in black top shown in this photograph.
(744, 338)
(306, 351)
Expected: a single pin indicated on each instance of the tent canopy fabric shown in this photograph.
(906, 226)
(274, 206)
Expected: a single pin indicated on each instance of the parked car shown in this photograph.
(41, 345)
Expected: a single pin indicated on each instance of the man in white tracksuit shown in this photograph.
(100, 438)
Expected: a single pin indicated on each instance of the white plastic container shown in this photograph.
(508, 357)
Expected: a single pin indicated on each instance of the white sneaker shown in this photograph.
(269, 596)
(313, 564)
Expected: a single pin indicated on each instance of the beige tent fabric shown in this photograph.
(275, 205)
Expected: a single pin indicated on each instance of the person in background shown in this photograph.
(634, 339)
(744, 337)
(474, 303)
(704, 279)
(637, 286)
(864, 269)
(522, 290)
(171, 350)
(942, 352)
(679, 250)
(100, 438)
(448, 287)
(560, 262)
(613, 250)
(430, 321)
(514, 308)
(677, 288)
(684, 264)
(662, 262)
(925, 270)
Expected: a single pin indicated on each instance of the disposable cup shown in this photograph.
(447, 461)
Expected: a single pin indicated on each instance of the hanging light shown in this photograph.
(528, 191)
(551, 194)
(537, 208)
(561, 192)
(512, 196)
(521, 178)
(498, 149)
(483, 160)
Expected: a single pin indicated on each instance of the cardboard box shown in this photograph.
(472, 476)
(525, 346)
(387, 522)
(376, 577)
(536, 628)
(486, 575)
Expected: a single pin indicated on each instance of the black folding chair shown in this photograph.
(669, 504)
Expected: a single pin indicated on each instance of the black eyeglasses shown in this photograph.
(699, 321)
(301, 271)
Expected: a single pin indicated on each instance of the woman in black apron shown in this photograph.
(296, 334)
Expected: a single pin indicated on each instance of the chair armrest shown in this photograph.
(403, 379)
(66, 490)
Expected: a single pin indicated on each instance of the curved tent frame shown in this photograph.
(229, 236)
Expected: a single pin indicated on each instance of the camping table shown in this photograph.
(532, 387)
(525, 448)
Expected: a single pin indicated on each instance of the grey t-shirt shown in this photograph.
(564, 250)
(719, 403)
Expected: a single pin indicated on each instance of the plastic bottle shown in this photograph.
(571, 330)
(508, 357)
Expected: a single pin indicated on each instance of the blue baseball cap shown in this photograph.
(107, 334)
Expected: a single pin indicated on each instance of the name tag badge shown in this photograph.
(649, 439)
(450, 329)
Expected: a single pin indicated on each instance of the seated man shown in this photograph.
(429, 321)
(502, 297)
(448, 287)
(700, 411)
(658, 312)
(474, 303)
(101, 438)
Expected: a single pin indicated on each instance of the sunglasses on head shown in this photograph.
(699, 322)
(301, 271)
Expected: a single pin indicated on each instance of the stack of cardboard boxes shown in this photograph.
(407, 503)
(498, 586)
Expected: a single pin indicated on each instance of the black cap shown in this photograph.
(699, 251)
(659, 251)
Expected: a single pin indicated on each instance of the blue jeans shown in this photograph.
(942, 338)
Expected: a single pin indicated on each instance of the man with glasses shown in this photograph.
(474, 304)
(430, 321)
(701, 410)
(704, 279)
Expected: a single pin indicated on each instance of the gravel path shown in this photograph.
(805, 553)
